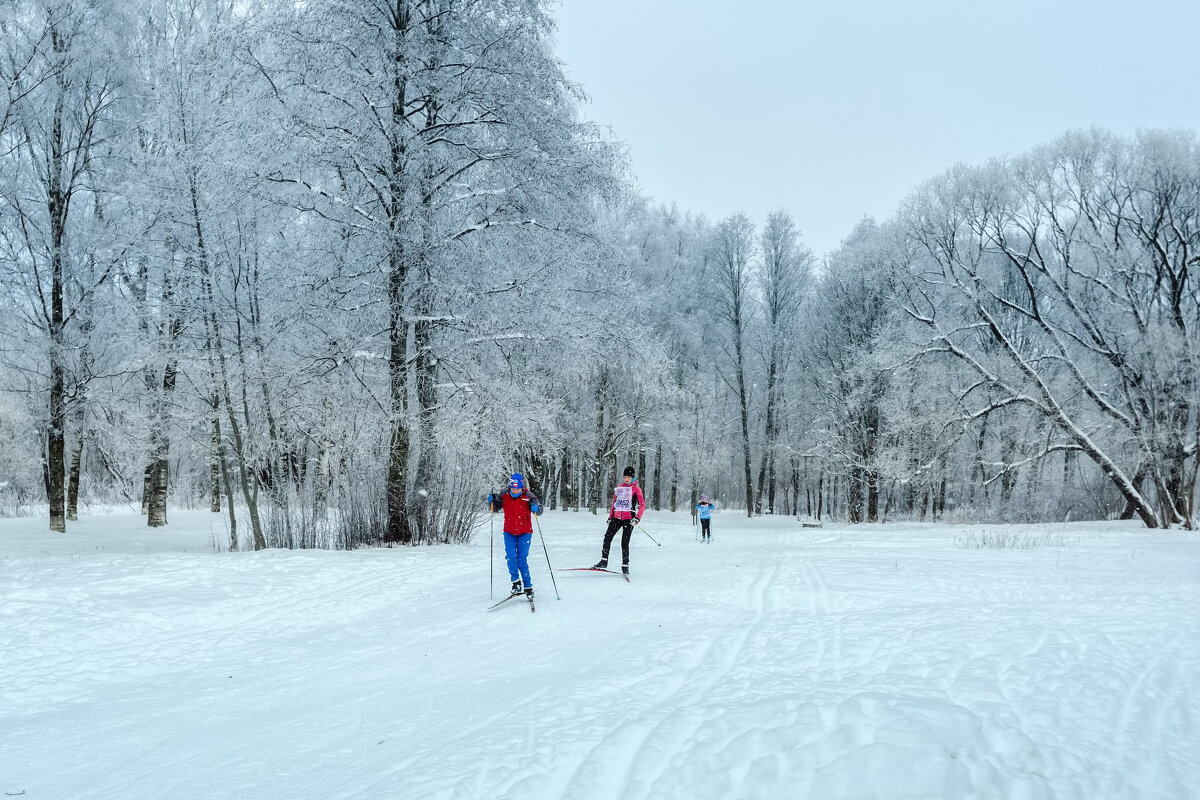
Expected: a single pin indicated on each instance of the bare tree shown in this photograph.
(851, 305)
(786, 269)
(431, 122)
(61, 92)
(733, 252)
(1063, 281)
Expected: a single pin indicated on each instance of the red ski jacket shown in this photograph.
(518, 518)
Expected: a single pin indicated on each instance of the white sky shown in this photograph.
(836, 110)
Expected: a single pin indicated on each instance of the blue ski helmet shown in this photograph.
(516, 482)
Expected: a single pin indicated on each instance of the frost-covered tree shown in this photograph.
(63, 80)
(784, 280)
(429, 123)
(852, 302)
(733, 250)
(1064, 281)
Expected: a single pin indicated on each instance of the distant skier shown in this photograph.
(705, 509)
(519, 507)
(623, 513)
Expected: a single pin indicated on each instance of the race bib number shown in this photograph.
(624, 501)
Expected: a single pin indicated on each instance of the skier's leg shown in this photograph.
(626, 535)
(609, 533)
(510, 556)
(523, 557)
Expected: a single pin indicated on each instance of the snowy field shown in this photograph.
(882, 661)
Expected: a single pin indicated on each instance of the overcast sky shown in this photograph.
(836, 109)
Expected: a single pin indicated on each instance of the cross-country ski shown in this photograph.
(505, 600)
(624, 575)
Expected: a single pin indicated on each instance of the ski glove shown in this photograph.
(634, 521)
(536, 509)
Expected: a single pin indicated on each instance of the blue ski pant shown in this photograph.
(516, 553)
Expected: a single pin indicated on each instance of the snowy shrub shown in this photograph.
(19, 474)
(296, 526)
(1013, 540)
(15, 500)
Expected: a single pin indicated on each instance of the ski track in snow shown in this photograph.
(658, 733)
(866, 662)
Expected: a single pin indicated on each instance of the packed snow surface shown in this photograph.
(872, 661)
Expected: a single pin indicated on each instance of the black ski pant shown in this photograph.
(705, 533)
(614, 525)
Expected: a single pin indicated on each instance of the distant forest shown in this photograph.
(334, 269)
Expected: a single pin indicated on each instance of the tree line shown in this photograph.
(332, 269)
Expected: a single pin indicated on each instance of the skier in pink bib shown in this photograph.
(623, 513)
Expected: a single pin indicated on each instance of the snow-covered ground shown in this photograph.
(881, 661)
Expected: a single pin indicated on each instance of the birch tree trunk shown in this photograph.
(398, 443)
(602, 442)
(160, 431)
(58, 199)
(73, 477)
(870, 455)
(656, 502)
(323, 479)
(225, 479)
(674, 479)
(214, 459)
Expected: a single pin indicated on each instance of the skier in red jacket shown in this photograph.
(623, 513)
(519, 507)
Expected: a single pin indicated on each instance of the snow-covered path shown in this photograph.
(776, 662)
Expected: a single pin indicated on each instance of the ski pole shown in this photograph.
(491, 552)
(643, 530)
(547, 552)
